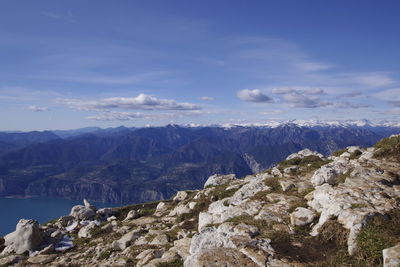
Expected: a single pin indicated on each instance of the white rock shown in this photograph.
(82, 213)
(161, 207)
(126, 240)
(47, 250)
(290, 169)
(248, 190)
(132, 214)
(218, 179)
(26, 237)
(9, 260)
(106, 212)
(286, 185)
(325, 174)
(352, 149)
(276, 172)
(179, 210)
(72, 226)
(85, 231)
(304, 153)
(65, 220)
(301, 216)
(160, 240)
(180, 196)
(192, 205)
(88, 205)
(182, 247)
(112, 218)
(391, 256)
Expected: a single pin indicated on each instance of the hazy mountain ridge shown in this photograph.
(135, 165)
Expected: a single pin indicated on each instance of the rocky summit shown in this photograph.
(309, 210)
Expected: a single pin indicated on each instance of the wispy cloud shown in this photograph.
(288, 90)
(375, 79)
(255, 96)
(37, 108)
(207, 98)
(347, 104)
(302, 98)
(67, 17)
(129, 116)
(117, 80)
(299, 100)
(140, 102)
(395, 103)
(351, 94)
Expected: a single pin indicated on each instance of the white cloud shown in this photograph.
(374, 79)
(396, 103)
(141, 102)
(347, 104)
(350, 94)
(118, 80)
(298, 100)
(67, 17)
(207, 98)
(288, 90)
(272, 112)
(255, 96)
(37, 108)
(312, 66)
(392, 94)
(282, 91)
(302, 98)
(128, 116)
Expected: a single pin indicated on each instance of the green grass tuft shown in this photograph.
(388, 148)
(380, 233)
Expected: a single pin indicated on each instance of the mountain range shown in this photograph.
(131, 165)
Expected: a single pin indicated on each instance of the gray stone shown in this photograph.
(132, 214)
(26, 237)
(126, 240)
(160, 240)
(85, 232)
(82, 213)
(302, 216)
(391, 256)
(180, 196)
(326, 174)
(218, 179)
(42, 259)
(47, 250)
(9, 260)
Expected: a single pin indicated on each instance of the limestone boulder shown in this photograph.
(26, 237)
(302, 216)
(85, 232)
(180, 196)
(391, 256)
(304, 153)
(81, 212)
(218, 179)
(326, 174)
(132, 214)
(126, 240)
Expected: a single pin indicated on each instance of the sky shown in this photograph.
(72, 64)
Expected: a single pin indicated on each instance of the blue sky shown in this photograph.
(71, 64)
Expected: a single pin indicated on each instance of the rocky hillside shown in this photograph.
(310, 210)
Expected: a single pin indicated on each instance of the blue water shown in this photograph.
(40, 209)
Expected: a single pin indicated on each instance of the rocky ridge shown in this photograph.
(309, 210)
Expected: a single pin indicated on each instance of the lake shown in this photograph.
(40, 209)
